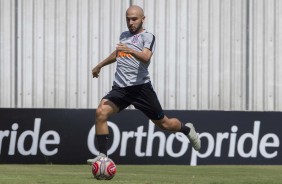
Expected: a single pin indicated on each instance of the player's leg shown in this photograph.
(174, 125)
(114, 102)
(105, 109)
(147, 101)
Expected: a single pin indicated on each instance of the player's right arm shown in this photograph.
(109, 60)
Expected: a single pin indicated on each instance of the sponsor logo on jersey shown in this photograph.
(123, 54)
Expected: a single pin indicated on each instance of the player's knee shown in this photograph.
(167, 124)
(101, 114)
(164, 125)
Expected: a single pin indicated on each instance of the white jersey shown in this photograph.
(130, 71)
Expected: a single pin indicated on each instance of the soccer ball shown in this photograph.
(104, 169)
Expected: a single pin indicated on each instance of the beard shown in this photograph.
(137, 29)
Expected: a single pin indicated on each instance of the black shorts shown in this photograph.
(142, 97)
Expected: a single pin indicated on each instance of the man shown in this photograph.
(132, 84)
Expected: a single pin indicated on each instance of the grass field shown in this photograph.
(149, 174)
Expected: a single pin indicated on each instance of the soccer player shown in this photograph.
(132, 84)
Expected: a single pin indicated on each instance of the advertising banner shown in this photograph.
(67, 136)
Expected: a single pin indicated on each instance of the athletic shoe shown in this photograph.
(93, 160)
(193, 137)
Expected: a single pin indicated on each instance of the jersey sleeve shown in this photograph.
(122, 35)
(149, 41)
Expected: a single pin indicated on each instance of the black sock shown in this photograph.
(102, 141)
(184, 129)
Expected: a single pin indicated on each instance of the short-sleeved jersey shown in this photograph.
(130, 71)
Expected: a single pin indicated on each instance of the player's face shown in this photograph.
(134, 21)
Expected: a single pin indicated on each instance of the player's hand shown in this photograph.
(96, 71)
(123, 48)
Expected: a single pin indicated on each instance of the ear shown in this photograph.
(143, 19)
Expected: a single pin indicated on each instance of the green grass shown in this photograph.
(142, 174)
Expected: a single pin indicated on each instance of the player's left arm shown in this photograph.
(144, 56)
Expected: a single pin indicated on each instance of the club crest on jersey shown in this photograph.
(135, 39)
